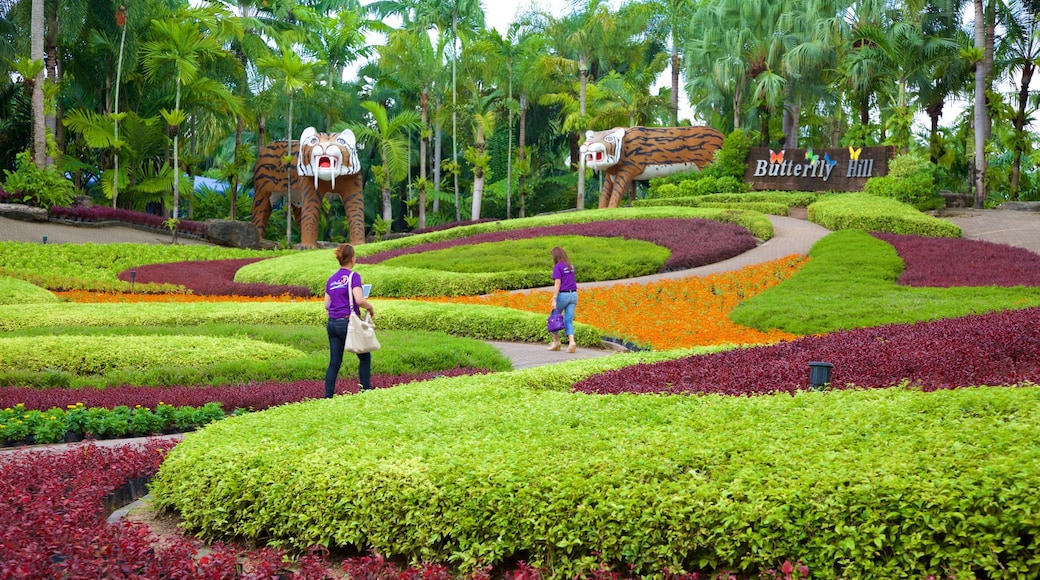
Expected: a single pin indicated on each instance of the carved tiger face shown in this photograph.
(326, 156)
(602, 149)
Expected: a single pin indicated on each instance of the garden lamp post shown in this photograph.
(133, 278)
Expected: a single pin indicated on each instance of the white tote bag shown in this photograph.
(361, 333)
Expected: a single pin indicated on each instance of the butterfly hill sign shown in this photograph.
(845, 169)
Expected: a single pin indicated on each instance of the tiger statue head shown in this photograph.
(602, 149)
(326, 156)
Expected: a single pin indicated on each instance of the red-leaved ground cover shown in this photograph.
(54, 527)
(693, 242)
(255, 396)
(210, 278)
(949, 262)
(1000, 348)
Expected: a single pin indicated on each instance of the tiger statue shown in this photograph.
(641, 153)
(330, 161)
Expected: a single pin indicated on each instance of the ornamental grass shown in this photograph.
(681, 313)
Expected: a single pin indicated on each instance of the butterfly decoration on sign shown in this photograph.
(810, 156)
(854, 153)
(775, 157)
(827, 159)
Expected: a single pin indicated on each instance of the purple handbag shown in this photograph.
(555, 321)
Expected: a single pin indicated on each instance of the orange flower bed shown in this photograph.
(109, 297)
(679, 313)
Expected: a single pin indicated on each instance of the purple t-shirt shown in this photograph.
(339, 288)
(566, 277)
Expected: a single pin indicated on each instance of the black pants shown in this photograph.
(337, 329)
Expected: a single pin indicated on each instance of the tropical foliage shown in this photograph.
(133, 100)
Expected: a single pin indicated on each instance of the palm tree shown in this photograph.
(38, 117)
(672, 23)
(1019, 49)
(410, 60)
(389, 136)
(292, 75)
(983, 57)
(180, 45)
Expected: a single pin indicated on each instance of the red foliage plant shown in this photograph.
(210, 278)
(693, 242)
(943, 354)
(54, 506)
(949, 262)
(255, 396)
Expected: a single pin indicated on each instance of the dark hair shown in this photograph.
(345, 254)
(561, 256)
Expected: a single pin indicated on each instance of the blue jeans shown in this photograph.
(337, 329)
(566, 302)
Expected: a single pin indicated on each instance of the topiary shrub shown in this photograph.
(911, 180)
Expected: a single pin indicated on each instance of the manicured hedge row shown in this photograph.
(943, 263)
(769, 208)
(82, 355)
(96, 266)
(867, 212)
(312, 269)
(15, 291)
(479, 470)
(480, 322)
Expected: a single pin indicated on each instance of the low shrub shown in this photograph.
(877, 214)
(42, 187)
(911, 180)
(14, 291)
(209, 278)
(574, 484)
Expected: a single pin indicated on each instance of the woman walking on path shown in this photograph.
(339, 289)
(565, 296)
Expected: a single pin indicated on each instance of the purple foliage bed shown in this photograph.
(949, 262)
(255, 396)
(210, 278)
(693, 242)
(1001, 348)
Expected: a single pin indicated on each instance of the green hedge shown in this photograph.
(472, 321)
(478, 470)
(877, 214)
(82, 355)
(312, 269)
(14, 291)
(95, 266)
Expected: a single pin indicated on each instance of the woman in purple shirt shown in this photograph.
(339, 289)
(565, 296)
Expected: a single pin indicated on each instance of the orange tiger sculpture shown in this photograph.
(325, 164)
(640, 153)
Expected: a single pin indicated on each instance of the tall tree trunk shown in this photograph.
(424, 114)
(674, 105)
(1020, 123)
(55, 129)
(522, 154)
(792, 117)
(981, 115)
(437, 138)
(583, 76)
(39, 132)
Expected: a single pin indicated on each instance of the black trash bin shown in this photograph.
(819, 375)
